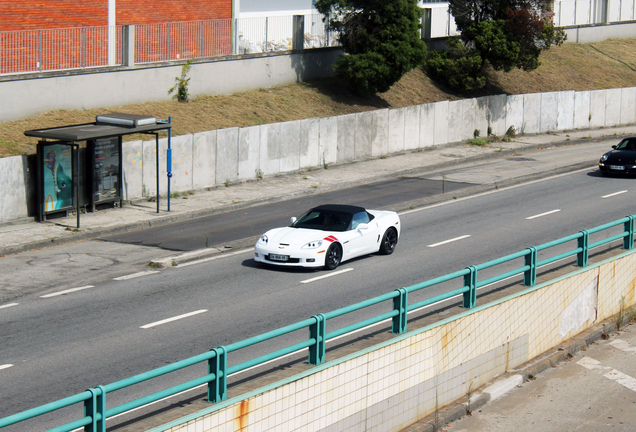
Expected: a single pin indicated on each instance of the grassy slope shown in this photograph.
(608, 64)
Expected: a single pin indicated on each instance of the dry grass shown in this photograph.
(608, 64)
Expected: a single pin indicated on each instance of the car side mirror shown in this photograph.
(363, 226)
(293, 219)
(614, 146)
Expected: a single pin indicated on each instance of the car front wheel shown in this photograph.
(333, 257)
(389, 241)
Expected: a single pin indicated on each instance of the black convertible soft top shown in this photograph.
(340, 208)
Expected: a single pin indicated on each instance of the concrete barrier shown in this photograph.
(249, 144)
(398, 382)
(212, 158)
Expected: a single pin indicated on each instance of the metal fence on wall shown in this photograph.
(54, 49)
(83, 47)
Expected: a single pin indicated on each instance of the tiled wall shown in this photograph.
(401, 381)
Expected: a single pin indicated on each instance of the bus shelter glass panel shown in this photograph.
(106, 165)
(57, 177)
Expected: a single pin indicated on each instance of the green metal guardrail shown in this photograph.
(94, 400)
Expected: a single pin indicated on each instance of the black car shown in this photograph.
(621, 160)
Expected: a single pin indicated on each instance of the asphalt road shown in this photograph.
(68, 342)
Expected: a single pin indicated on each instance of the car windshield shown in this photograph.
(324, 220)
(627, 144)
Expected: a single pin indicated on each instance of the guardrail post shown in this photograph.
(400, 304)
(628, 240)
(95, 408)
(470, 281)
(217, 365)
(317, 331)
(583, 242)
(530, 275)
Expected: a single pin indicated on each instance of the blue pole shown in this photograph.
(169, 167)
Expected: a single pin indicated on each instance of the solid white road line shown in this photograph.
(327, 275)
(228, 254)
(543, 214)
(5, 366)
(9, 305)
(614, 194)
(448, 241)
(136, 275)
(173, 319)
(613, 374)
(66, 291)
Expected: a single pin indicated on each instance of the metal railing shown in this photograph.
(83, 47)
(94, 400)
(55, 49)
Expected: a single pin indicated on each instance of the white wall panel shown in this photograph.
(549, 112)
(249, 150)
(565, 115)
(441, 122)
(582, 109)
(427, 125)
(628, 105)
(597, 108)
(204, 159)
(531, 113)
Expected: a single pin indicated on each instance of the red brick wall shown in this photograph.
(45, 14)
(160, 11)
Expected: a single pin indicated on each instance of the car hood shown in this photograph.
(622, 157)
(296, 236)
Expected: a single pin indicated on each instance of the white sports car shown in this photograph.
(328, 235)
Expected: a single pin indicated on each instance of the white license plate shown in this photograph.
(275, 257)
(617, 167)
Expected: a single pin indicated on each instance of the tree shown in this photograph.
(381, 39)
(507, 34)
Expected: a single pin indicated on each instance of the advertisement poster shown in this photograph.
(106, 169)
(58, 177)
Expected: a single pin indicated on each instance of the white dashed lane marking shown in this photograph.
(9, 305)
(136, 275)
(612, 374)
(327, 275)
(614, 194)
(5, 366)
(448, 241)
(167, 320)
(543, 214)
(59, 293)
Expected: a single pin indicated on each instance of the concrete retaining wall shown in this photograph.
(394, 384)
(213, 158)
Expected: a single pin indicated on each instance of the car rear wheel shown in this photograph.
(389, 241)
(333, 257)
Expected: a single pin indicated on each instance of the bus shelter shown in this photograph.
(60, 175)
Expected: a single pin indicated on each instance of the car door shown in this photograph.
(364, 232)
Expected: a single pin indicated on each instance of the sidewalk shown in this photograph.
(544, 155)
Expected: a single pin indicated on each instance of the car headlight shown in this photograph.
(313, 245)
(604, 157)
(263, 240)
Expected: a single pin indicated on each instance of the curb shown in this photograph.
(503, 384)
